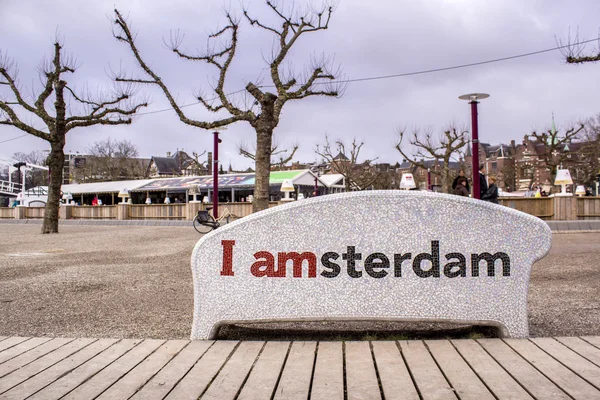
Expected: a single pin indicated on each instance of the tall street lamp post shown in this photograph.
(215, 199)
(472, 98)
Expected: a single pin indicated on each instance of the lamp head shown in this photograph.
(563, 177)
(287, 186)
(407, 181)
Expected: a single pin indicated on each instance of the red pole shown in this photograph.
(215, 198)
(428, 179)
(476, 194)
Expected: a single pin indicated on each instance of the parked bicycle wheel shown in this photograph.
(201, 227)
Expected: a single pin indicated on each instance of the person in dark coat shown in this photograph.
(491, 194)
(461, 174)
(461, 187)
(483, 187)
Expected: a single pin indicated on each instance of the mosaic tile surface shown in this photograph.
(386, 255)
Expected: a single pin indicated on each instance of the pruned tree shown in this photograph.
(277, 164)
(552, 143)
(428, 146)
(33, 177)
(575, 50)
(358, 175)
(317, 81)
(52, 108)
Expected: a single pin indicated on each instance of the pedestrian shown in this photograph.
(461, 174)
(491, 194)
(483, 187)
(461, 187)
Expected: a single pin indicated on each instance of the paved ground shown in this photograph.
(135, 282)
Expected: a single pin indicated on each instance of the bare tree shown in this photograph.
(277, 164)
(344, 160)
(575, 50)
(111, 160)
(318, 81)
(34, 177)
(51, 106)
(552, 144)
(427, 146)
(590, 151)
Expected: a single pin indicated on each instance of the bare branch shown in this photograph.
(126, 36)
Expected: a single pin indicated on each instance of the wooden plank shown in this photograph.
(297, 372)
(141, 373)
(328, 378)
(195, 382)
(21, 348)
(572, 360)
(489, 371)
(395, 379)
(555, 371)
(111, 374)
(64, 385)
(361, 377)
(46, 377)
(532, 380)
(465, 382)
(593, 340)
(14, 378)
(429, 379)
(162, 383)
(31, 355)
(10, 342)
(582, 348)
(263, 379)
(229, 381)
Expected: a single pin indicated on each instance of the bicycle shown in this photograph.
(205, 222)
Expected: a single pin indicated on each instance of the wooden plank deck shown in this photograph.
(537, 368)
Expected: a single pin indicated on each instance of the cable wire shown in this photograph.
(373, 78)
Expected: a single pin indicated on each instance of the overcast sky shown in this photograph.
(367, 38)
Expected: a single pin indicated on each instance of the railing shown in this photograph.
(94, 212)
(35, 212)
(10, 187)
(542, 207)
(158, 211)
(7, 212)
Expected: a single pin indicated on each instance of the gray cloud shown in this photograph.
(366, 38)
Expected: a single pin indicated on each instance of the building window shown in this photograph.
(494, 166)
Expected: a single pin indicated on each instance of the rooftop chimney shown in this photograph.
(168, 154)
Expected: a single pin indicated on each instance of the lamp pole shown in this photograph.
(428, 178)
(215, 194)
(472, 98)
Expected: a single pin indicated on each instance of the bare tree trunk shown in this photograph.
(56, 164)
(264, 139)
(445, 174)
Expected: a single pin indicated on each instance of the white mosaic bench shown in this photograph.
(378, 255)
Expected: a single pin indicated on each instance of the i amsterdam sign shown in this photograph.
(383, 255)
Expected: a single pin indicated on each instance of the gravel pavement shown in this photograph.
(136, 282)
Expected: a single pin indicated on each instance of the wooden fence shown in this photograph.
(35, 212)
(547, 208)
(94, 212)
(7, 212)
(588, 208)
(540, 207)
(158, 211)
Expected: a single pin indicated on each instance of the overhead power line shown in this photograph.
(373, 78)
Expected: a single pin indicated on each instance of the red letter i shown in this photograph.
(227, 257)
